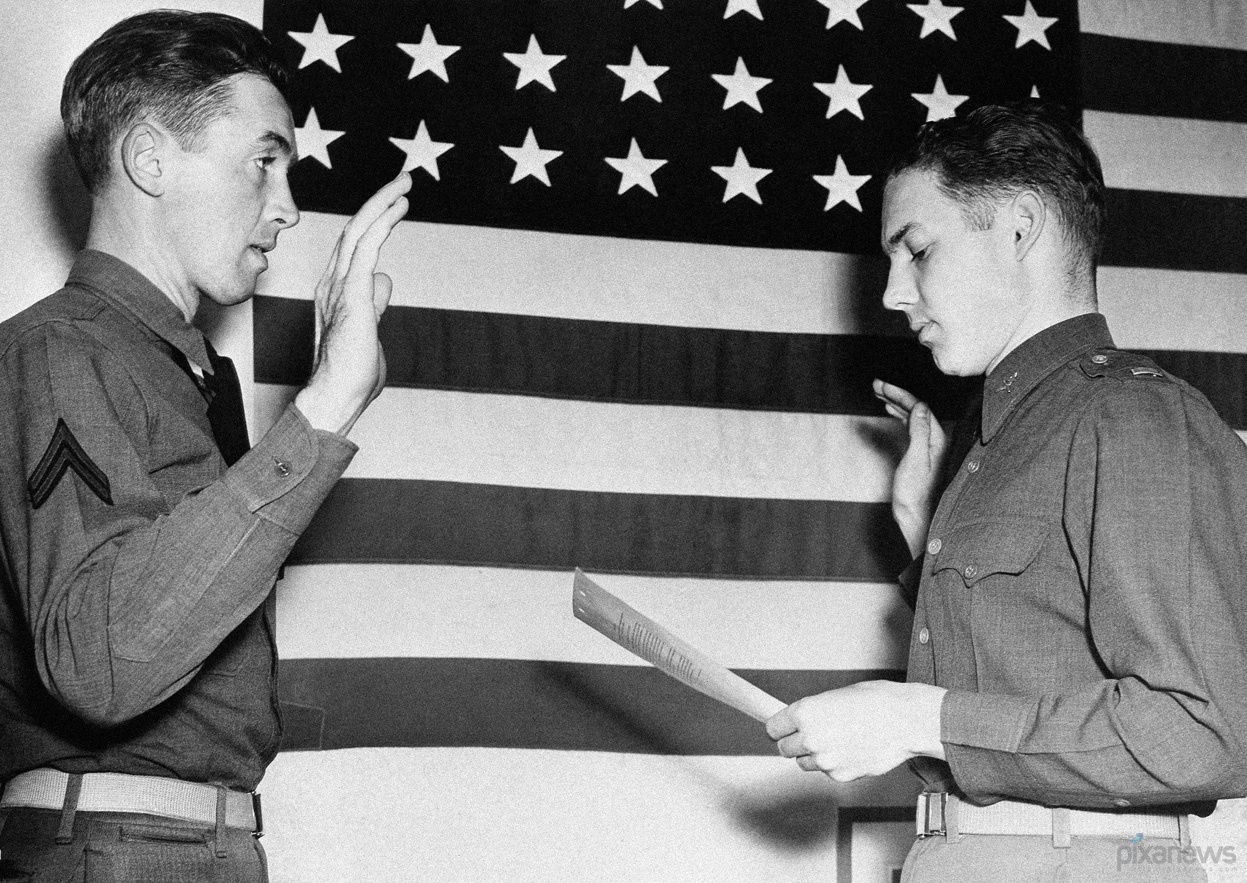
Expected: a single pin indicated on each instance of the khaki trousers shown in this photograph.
(1000, 858)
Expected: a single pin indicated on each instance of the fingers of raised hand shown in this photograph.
(368, 246)
(380, 208)
(330, 271)
(926, 436)
(896, 401)
(938, 439)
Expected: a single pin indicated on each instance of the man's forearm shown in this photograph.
(125, 628)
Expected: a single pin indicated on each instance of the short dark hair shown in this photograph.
(171, 65)
(998, 150)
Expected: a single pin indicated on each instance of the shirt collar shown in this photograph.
(142, 302)
(1033, 360)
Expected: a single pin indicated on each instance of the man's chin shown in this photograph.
(228, 297)
(949, 365)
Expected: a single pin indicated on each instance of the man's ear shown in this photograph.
(143, 156)
(1028, 215)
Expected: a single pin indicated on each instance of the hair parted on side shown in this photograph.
(166, 65)
(999, 150)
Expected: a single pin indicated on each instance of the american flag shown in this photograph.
(635, 320)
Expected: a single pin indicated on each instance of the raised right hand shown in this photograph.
(348, 368)
(913, 485)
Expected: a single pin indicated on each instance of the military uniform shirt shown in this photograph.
(1084, 587)
(136, 612)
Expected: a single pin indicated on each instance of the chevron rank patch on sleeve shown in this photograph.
(64, 453)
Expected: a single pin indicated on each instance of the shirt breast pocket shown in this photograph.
(982, 551)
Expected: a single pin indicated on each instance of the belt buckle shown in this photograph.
(931, 814)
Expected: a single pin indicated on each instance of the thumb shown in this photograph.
(926, 436)
(920, 426)
(382, 286)
(936, 439)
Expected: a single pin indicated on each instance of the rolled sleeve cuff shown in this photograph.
(984, 720)
(291, 470)
(981, 733)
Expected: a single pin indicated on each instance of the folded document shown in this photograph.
(640, 635)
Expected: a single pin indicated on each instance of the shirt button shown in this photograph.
(1099, 358)
(933, 547)
(970, 571)
(972, 466)
(282, 469)
(924, 636)
(1121, 801)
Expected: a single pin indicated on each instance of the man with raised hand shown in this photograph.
(141, 537)
(1077, 678)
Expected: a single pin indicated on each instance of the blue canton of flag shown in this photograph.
(741, 122)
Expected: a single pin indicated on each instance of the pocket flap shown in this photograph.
(983, 548)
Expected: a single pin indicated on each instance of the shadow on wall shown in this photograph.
(67, 199)
(868, 277)
(796, 822)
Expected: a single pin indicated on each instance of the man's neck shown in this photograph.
(116, 233)
(1040, 317)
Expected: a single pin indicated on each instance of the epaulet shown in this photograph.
(70, 304)
(1119, 365)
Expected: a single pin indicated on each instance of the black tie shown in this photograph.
(225, 410)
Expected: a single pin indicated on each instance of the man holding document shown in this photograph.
(1078, 665)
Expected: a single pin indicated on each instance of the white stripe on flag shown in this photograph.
(382, 610)
(1172, 310)
(527, 441)
(1170, 155)
(1195, 22)
(569, 276)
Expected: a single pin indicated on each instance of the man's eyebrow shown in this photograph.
(895, 239)
(278, 140)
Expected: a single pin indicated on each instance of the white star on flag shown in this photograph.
(534, 65)
(314, 141)
(639, 76)
(636, 170)
(749, 6)
(841, 186)
(530, 159)
(843, 10)
(741, 88)
(939, 103)
(742, 179)
(1031, 26)
(844, 94)
(630, 3)
(422, 151)
(429, 55)
(936, 17)
(320, 45)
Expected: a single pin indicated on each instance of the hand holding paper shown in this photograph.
(864, 729)
(640, 635)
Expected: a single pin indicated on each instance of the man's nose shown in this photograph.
(898, 291)
(283, 208)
